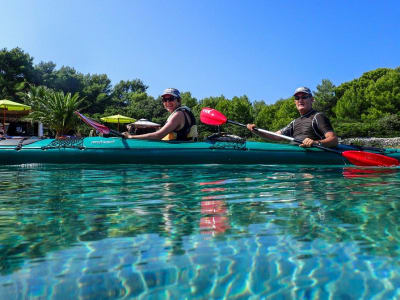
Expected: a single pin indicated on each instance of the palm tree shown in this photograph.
(54, 109)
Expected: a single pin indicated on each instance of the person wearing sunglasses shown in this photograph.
(312, 127)
(180, 125)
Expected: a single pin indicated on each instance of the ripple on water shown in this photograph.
(199, 232)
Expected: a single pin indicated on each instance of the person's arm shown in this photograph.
(264, 134)
(173, 123)
(330, 140)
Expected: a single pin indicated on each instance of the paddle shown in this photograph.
(99, 127)
(212, 116)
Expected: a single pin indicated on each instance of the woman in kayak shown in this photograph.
(181, 124)
(312, 127)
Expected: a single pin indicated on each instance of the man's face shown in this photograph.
(303, 102)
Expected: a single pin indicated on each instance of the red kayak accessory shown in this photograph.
(362, 158)
(211, 116)
(99, 127)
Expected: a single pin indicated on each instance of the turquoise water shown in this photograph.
(208, 232)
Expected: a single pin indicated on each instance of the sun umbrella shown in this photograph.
(118, 119)
(11, 106)
(145, 123)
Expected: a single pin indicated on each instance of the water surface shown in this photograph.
(199, 232)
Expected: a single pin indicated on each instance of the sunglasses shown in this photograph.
(170, 99)
(301, 97)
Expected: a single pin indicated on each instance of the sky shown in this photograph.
(259, 48)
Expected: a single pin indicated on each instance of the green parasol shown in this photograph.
(11, 106)
(120, 119)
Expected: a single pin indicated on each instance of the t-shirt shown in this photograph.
(313, 125)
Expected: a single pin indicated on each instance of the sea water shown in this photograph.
(199, 232)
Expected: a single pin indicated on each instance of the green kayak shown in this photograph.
(115, 150)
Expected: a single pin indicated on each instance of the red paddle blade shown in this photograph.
(211, 116)
(362, 158)
(99, 127)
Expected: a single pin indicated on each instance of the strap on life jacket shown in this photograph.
(188, 131)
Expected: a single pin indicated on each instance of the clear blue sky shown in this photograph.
(259, 48)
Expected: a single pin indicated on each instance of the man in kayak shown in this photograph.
(181, 124)
(312, 127)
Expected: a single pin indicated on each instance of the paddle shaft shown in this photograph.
(117, 133)
(283, 136)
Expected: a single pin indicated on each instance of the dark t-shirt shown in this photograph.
(313, 125)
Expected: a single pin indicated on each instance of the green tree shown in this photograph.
(16, 70)
(285, 113)
(257, 107)
(371, 97)
(96, 92)
(144, 106)
(54, 109)
(389, 125)
(122, 91)
(325, 97)
(384, 96)
(188, 100)
(240, 110)
(65, 79)
(349, 106)
(211, 102)
(46, 71)
(68, 80)
(96, 89)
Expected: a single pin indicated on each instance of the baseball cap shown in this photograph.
(302, 89)
(172, 92)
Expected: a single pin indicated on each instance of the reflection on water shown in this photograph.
(351, 172)
(99, 232)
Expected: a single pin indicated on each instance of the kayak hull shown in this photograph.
(100, 150)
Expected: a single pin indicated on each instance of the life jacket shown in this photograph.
(189, 130)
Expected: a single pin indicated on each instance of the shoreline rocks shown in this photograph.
(373, 142)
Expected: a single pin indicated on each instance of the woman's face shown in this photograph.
(170, 102)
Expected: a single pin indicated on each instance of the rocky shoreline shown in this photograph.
(373, 142)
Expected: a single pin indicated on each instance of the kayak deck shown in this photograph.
(100, 150)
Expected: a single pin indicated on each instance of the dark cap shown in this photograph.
(303, 89)
(172, 92)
